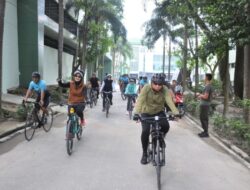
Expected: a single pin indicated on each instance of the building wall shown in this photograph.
(10, 47)
(50, 65)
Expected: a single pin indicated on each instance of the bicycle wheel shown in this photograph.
(48, 119)
(69, 138)
(158, 164)
(107, 105)
(79, 133)
(30, 126)
(95, 98)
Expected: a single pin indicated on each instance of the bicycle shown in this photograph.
(93, 97)
(107, 103)
(73, 128)
(35, 119)
(156, 146)
(123, 92)
(131, 100)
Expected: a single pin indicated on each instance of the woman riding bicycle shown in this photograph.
(131, 90)
(77, 94)
(150, 103)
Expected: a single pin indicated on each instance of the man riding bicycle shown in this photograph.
(150, 103)
(77, 94)
(39, 86)
(107, 86)
(123, 82)
(94, 81)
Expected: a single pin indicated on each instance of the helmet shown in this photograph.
(145, 77)
(158, 78)
(132, 80)
(81, 73)
(109, 75)
(36, 74)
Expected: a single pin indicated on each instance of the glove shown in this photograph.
(136, 117)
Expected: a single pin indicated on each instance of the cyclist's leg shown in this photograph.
(145, 140)
(164, 124)
(128, 102)
(79, 111)
(103, 100)
(110, 95)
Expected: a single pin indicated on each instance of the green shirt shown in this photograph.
(152, 102)
(208, 89)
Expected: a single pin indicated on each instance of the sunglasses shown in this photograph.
(157, 84)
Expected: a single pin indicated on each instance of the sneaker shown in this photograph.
(203, 135)
(144, 159)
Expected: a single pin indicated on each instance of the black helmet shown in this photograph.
(36, 74)
(132, 80)
(158, 78)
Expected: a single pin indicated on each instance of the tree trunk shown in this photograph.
(239, 69)
(196, 60)
(169, 59)
(60, 38)
(164, 53)
(184, 74)
(2, 13)
(84, 42)
(246, 93)
(225, 78)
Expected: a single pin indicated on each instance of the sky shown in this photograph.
(135, 17)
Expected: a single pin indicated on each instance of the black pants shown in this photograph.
(79, 108)
(110, 96)
(46, 102)
(204, 110)
(130, 98)
(96, 89)
(146, 129)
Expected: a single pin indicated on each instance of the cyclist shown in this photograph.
(150, 103)
(39, 87)
(107, 86)
(143, 82)
(131, 90)
(124, 80)
(77, 94)
(94, 81)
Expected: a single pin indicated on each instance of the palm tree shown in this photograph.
(105, 12)
(2, 13)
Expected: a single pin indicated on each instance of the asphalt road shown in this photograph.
(108, 158)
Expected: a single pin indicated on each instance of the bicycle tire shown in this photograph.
(107, 105)
(79, 133)
(48, 121)
(158, 164)
(30, 126)
(69, 140)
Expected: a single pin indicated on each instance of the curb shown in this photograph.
(233, 150)
(18, 130)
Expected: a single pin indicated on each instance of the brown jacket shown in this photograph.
(76, 93)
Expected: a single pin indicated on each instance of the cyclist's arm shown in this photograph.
(170, 103)
(102, 86)
(113, 85)
(141, 100)
(42, 95)
(29, 91)
(64, 85)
